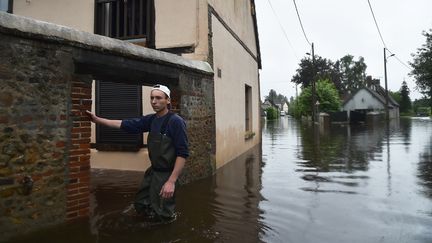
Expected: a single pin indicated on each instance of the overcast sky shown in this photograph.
(337, 28)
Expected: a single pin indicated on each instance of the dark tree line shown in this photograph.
(402, 98)
(276, 98)
(346, 74)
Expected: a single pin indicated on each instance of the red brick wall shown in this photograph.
(78, 203)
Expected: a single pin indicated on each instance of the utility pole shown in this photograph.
(386, 89)
(313, 85)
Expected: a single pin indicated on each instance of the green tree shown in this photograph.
(327, 95)
(291, 100)
(280, 99)
(420, 106)
(272, 113)
(396, 96)
(422, 67)
(324, 69)
(405, 101)
(271, 96)
(353, 74)
(347, 74)
(421, 102)
(294, 108)
(276, 98)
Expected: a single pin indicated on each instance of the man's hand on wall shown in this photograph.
(92, 116)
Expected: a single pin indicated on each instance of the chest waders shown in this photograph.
(162, 156)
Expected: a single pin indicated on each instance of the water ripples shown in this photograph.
(348, 184)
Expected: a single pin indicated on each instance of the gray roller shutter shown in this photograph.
(117, 101)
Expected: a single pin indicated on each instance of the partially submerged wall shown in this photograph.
(46, 72)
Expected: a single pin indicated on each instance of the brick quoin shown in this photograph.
(78, 200)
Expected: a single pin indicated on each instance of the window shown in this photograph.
(6, 5)
(117, 101)
(131, 20)
(125, 19)
(248, 108)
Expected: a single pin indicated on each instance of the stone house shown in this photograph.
(222, 33)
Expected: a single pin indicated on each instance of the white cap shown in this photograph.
(162, 88)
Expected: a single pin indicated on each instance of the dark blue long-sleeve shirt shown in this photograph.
(176, 130)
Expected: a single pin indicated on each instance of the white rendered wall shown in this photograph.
(363, 100)
(78, 14)
(238, 69)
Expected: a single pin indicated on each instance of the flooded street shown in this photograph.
(348, 183)
(305, 184)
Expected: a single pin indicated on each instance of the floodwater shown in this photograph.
(303, 184)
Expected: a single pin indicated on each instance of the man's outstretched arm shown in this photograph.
(104, 121)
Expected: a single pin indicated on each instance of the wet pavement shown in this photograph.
(304, 184)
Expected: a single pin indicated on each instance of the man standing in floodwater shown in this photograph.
(168, 150)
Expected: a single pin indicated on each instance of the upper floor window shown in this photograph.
(6, 5)
(125, 19)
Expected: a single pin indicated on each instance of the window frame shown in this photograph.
(248, 108)
(123, 25)
(9, 6)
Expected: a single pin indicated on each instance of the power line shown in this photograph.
(403, 63)
(382, 39)
(376, 24)
(313, 65)
(397, 58)
(301, 24)
(282, 28)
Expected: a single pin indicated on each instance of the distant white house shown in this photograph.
(371, 100)
(285, 107)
